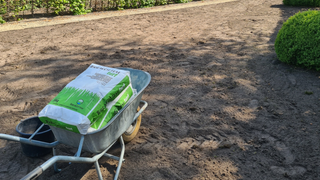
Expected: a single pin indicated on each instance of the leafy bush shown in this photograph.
(161, 2)
(1, 20)
(181, 1)
(314, 3)
(77, 7)
(147, 3)
(298, 41)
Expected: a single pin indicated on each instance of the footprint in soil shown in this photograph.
(279, 146)
(291, 171)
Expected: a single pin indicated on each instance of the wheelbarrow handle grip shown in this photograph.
(33, 174)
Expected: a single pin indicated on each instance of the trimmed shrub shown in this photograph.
(314, 3)
(298, 41)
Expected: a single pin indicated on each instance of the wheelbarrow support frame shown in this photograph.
(72, 159)
(38, 171)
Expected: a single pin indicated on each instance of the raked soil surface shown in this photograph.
(221, 105)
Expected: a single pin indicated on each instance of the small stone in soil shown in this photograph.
(225, 144)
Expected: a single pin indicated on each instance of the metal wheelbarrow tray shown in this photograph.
(97, 142)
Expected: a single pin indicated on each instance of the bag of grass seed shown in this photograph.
(85, 100)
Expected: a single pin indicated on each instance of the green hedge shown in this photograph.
(12, 9)
(314, 3)
(298, 41)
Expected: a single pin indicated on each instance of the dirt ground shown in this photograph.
(221, 106)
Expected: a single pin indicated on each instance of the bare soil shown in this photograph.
(221, 106)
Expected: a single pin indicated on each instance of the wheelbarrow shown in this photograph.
(123, 127)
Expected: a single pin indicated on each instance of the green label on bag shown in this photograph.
(117, 89)
(53, 122)
(111, 114)
(124, 99)
(81, 101)
(98, 111)
(105, 119)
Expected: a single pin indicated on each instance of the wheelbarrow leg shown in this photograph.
(96, 164)
(121, 158)
(55, 167)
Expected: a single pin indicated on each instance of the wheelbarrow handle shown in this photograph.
(28, 141)
(33, 174)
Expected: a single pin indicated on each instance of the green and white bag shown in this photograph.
(89, 100)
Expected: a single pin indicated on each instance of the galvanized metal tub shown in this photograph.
(99, 140)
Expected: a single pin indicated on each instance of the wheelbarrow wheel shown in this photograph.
(132, 131)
